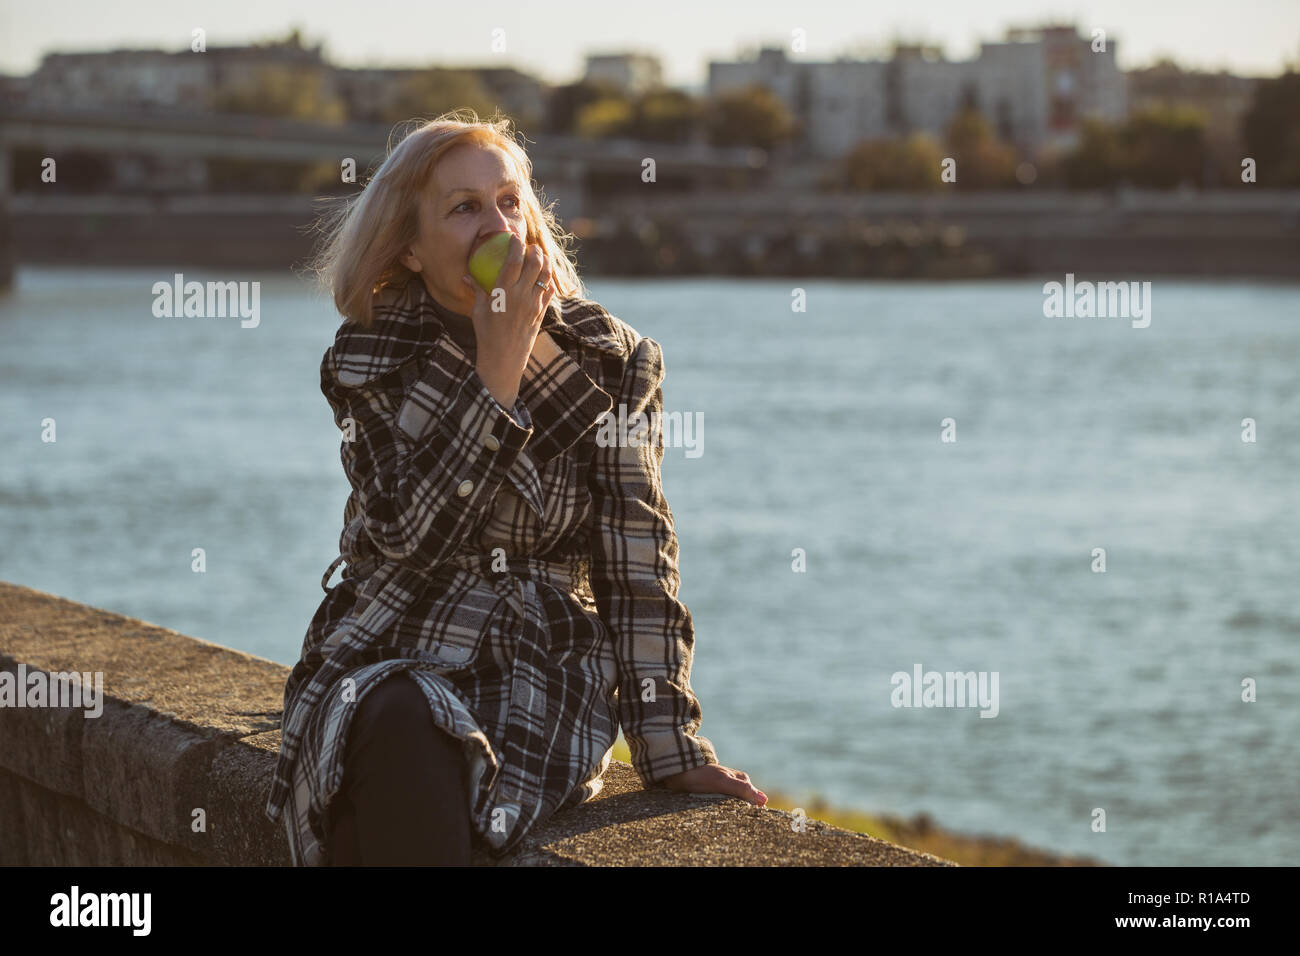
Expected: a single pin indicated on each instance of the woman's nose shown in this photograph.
(497, 221)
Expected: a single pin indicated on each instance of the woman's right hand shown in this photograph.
(504, 340)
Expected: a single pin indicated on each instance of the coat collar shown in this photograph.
(575, 319)
(406, 320)
(406, 323)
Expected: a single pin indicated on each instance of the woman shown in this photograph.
(514, 574)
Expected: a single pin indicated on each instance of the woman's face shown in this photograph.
(471, 195)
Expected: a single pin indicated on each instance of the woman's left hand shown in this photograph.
(715, 778)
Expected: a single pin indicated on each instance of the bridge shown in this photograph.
(567, 167)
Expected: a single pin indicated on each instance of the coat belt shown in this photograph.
(569, 575)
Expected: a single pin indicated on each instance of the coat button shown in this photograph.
(492, 443)
(465, 488)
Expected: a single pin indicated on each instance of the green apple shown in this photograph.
(486, 262)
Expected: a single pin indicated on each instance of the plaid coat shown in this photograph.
(521, 567)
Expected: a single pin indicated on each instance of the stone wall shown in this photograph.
(187, 724)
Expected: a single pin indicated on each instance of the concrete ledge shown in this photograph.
(187, 724)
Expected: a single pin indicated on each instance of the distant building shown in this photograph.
(13, 91)
(519, 94)
(144, 79)
(267, 66)
(1035, 88)
(1012, 88)
(630, 73)
(1223, 99)
(156, 79)
(126, 79)
(187, 81)
(1078, 82)
(924, 90)
(784, 78)
(370, 94)
(846, 103)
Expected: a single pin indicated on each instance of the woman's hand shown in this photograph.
(715, 778)
(505, 339)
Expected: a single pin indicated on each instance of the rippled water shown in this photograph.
(1119, 691)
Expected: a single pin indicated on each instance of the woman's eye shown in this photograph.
(470, 202)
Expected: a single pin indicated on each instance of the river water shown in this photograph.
(1120, 691)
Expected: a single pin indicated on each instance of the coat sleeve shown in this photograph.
(426, 459)
(635, 581)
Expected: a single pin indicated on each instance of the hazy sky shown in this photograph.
(1252, 37)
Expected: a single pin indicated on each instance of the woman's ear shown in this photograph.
(410, 261)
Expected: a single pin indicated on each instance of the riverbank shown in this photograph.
(1241, 233)
(919, 833)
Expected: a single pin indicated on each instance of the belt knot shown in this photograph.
(567, 574)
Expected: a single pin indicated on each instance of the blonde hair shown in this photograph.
(367, 234)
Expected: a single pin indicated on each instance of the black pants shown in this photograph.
(403, 801)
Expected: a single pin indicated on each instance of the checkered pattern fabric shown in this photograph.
(520, 565)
